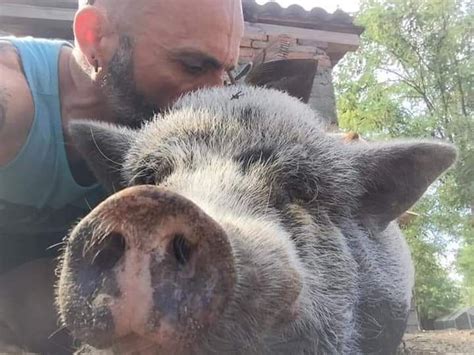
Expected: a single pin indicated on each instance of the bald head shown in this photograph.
(176, 45)
(201, 13)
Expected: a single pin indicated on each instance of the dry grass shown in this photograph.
(438, 342)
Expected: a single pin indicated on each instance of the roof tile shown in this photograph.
(296, 16)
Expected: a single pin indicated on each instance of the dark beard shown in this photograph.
(119, 87)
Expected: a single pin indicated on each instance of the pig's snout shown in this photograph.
(147, 265)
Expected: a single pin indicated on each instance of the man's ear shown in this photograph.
(93, 36)
(103, 147)
(395, 175)
(294, 76)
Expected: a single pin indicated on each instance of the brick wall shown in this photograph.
(322, 98)
(256, 39)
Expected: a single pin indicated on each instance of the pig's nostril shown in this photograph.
(110, 251)
(181, 248)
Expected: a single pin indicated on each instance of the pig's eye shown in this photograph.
(302, 193)
(146, 177)
(289, 193)
(295, 184)
(152, 174)
(254, 156)
(301, 188)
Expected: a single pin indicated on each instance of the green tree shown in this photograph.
(412, 77)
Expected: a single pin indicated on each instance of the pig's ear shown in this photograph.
(294, 76)
(396, 175)
(103, 146)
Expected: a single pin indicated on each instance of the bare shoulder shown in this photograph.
(9, 57)
(16, 104)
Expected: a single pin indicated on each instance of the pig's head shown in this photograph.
(228, 212)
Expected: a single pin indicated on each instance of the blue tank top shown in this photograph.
(37, 190)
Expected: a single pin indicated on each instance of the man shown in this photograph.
(131, 58)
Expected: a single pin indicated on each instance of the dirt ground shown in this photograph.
(438, 342)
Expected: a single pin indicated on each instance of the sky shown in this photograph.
(328, 5)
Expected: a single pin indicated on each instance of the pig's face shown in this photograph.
(234, 229)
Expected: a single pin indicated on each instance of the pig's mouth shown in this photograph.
(147, 270)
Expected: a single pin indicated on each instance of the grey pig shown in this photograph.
(241, 227)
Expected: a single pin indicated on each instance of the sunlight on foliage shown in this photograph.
(412, 77)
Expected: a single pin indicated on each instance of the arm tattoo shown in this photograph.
(3, 107)
(5, 47)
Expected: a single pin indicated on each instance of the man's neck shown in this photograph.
(80, 99)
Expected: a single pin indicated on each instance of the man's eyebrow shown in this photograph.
(197, 56)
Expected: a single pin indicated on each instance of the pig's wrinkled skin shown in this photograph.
(255, 233)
